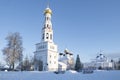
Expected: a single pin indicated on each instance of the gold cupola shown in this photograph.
(48, 11)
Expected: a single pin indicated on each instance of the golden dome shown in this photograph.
(48, 10)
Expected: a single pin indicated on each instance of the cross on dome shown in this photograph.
(48, 10)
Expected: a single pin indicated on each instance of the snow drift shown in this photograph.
(68, 75)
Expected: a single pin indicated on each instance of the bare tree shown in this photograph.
(14, 49)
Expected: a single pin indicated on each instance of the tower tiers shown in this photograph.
(46, 51)
(47, 32)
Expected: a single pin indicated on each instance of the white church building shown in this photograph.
(46, 51)
(100, 62)
(46, 56)
(66, 61)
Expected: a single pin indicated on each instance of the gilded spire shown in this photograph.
(48, 4)
(48, 10)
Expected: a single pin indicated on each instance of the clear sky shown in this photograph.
(83, 26)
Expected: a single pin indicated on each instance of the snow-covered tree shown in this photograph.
(13, 50)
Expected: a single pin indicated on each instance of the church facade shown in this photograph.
(100, 62)
(46, 54)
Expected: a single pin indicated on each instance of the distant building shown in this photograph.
(117, 64)
(62, 66)
(100, 62)
(67, 60)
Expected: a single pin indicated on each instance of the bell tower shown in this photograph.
(47, 32)
(46, 51)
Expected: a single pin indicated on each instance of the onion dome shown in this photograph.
(48, 11)
(66, 51)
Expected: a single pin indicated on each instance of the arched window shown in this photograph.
(51, 36)
(47, 35)
(47, 25)
(47, 18)
(43, 36)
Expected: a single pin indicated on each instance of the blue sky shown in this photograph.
(83, 26)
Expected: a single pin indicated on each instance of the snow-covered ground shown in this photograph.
(69, 75)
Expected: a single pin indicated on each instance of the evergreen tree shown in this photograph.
(119, 61)
(78, 65)
(119, 64)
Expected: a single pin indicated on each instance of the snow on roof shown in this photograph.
(71, 71)
(61, 63)
(6, 66)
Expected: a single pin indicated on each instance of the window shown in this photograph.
(43, 36)
(42, 47)
(47, 25)
(47, 35)
(47, 18)
(51, 36)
